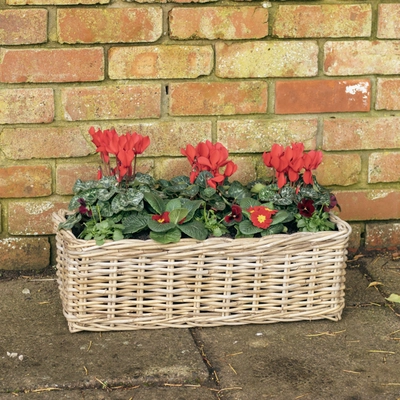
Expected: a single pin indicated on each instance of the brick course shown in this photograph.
(388, 21)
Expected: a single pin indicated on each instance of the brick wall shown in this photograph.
(247, 74)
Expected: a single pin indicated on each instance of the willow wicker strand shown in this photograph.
(135, 284)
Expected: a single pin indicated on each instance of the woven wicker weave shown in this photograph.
(134, 284)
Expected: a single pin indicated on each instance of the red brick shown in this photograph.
(160, 62)
(384, 167)
(339, 169)
(257, 136)
(109, 25)
(218, 98)
(51, 65)
(111, 102)
(168, 137)
(54, 142)
(318, 21)
(382, 236)
(320, 96)
(227, 23)
(266, 59)
(388, 21)
(362, 57)
(25, 181)
(55, 2)
(373, 204)
(32, 218)
(24, 253)
(26, 106)
(23, 26)
(66, 176)
(167, 168)
(247, 168)
(361, 134)
(388, 94)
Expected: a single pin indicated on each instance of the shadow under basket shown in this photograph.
(134, 284)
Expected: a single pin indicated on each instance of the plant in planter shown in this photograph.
(222, 252)
(123, 203)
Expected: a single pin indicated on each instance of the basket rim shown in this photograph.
(344, 230)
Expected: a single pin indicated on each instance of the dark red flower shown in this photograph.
(82, 208)
(333, 203)
(235, 215)
(306, 208)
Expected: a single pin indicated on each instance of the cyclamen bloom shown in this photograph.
(207, 156)
(261, 216)
(290, 161)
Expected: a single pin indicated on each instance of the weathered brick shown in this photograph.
(339, 169)
(320, 96)
(361, 134)
(355, 239)
(185, 1)
(66, 176)
(25, 181)
(167, 138)
(160, 62)
(361, 57)
(112, 102)
(329, 20)
(382, 235)
(55, 2)
(51, 65)
(167, 168)
(32, 218)
(388, 94)
(23, 27)
(373, 204)
(27, 143)
(227, 23)
(247, 167)
(256, 136)
(109, 25)
(26, 106)
(218, 98)
(266, 59)
(384, 167)
(388, 21)
(24, 253)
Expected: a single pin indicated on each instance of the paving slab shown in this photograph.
(355, 358)
(37, 350)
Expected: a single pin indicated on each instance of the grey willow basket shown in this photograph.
(134, 284)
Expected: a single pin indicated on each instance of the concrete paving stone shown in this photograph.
(150, 393)
(53, 357)
(355, 358)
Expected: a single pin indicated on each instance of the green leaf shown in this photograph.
(191, 191)
(266, 194)
(192, 206)
(208, 192)
(194, 229)
(281, 216)
(70, 222)
(395, 298)
(171, 236)
(173, 205)
(247, 228)
(135, 223)
(273, 230)
(144, 179)
(238, 191)
(117, 235)
(177, 215)
(155, 201)
(248, 202)
(157, 227)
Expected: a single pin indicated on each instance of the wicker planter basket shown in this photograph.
(134, 284)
